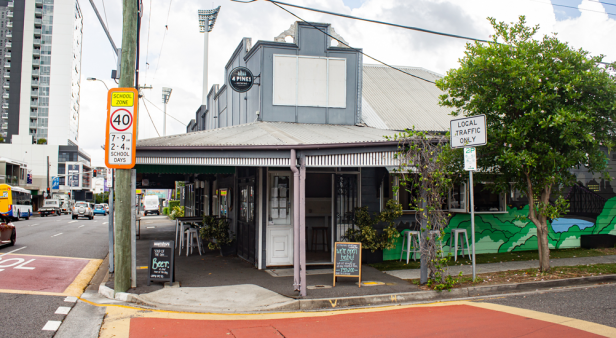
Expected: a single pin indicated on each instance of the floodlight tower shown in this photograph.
(166, 96)
(207, 19)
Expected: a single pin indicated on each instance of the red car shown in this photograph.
(8, 235)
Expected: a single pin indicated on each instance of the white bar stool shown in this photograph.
(192, 233)
(408, 236)
(455, 233)
(184, 226)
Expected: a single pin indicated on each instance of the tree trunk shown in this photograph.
(540, 221)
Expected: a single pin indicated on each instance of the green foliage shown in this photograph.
(101, 198)
(173, 204)
(1, 139)
(365, 232)
(177, 211)
(166, 211)
(216, 231)
(41, 141)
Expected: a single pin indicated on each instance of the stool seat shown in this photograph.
(192, 234)
(409, 236)
(455, 234)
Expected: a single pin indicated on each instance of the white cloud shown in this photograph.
(180, 64)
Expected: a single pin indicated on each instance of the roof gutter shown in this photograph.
(274, 147)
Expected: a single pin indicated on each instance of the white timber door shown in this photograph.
(279, 218)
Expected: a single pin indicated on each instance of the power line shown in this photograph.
(147, 48)
(146, 109)
(355, 49)
(160, 54)
(604, 3)
(115, 56)
(581, 9)
(278, 3)
(171, 116)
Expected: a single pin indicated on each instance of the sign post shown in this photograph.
(121, 128)
(467, 133)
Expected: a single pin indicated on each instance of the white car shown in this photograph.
(151, 205)
(83, 209)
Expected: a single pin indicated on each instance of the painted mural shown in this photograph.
(505, 232)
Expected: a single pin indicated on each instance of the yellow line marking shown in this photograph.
(28, 292)
(550, 318)
(83, 278)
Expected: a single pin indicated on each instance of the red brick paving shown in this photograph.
(437, 321)
(50, 274)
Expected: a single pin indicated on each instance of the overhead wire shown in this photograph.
(171, 116)
(355, 49)
(107, 22)
(573, 7)
(147, 48)
(146, 109)
(160, 54)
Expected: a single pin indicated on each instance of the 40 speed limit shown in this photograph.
(120, 148)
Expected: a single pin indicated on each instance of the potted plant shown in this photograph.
(216, 233)
(373, 243)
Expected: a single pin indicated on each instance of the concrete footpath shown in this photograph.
(507, 266)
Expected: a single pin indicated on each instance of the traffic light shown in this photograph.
(94, 173)
(48, 192)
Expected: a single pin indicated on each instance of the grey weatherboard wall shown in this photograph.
(229, 108)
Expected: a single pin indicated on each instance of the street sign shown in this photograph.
(470, 159)
(468, 132)
(109, 178)
(55, 183)
(122, 106)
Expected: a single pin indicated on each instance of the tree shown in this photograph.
(41, 141)
(549, 108)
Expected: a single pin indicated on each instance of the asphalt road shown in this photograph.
(25, 315)
(595, 304)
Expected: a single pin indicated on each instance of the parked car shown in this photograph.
(83, 209)
(50, 207)
(99, 209)
(151, 205)
(8, 234)
(106, 207)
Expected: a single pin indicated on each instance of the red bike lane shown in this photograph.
(436, 321)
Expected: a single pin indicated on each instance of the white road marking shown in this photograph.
(83, 225)
(70, 299)
(52, 325)
(105, 222)
(6, 253)
(56, 235)
(72, 221)
(63, 310)
(148, 222)
(34, 224)
(150, 227)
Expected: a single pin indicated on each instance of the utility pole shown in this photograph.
(122, 257)
(166, 96)
(48, 177)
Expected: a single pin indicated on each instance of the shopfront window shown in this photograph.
(280, 204)
(457, 198)
(488, 201)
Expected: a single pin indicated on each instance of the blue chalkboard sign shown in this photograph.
(347, 260)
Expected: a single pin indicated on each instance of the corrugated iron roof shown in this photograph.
(272, 134)
(397, 101)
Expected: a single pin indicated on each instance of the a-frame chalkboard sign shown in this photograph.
(347, 260)
(161, 267)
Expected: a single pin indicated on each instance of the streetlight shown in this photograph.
(166, 96)
(95, 79)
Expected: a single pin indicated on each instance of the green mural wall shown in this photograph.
(504, 233)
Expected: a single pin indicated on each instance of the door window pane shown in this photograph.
(280, 202)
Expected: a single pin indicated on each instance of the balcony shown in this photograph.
(5, 115)
(9, 34)
(34, 93)
(6, 85)
(33, 112)
(7, 65)
(32, 124)
(36, 62)
(5, 95)
(38, 11)
(7, 55)
(37, 42)
(9, 24)
(7, 75)
(36, 52)
(9, 14)
(37, 32)
(36, 72)
(38, 2)
(12, 4)
(8, 45)
(34, 103)
(35, 83)
(5, 106)
(38, 22)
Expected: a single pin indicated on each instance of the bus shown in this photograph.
(15, 202)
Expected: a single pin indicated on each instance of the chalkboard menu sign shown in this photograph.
(347, 262)
(162, 263)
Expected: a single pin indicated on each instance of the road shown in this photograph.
(53, 260)
(580, 312)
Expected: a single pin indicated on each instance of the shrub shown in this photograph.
(166, 211)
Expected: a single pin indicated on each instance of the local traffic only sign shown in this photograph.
(468, 132)
(122, 105)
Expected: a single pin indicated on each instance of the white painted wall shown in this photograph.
(35, 155)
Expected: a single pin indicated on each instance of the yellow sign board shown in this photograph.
(122, 99)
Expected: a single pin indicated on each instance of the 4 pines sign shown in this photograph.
(121, 128)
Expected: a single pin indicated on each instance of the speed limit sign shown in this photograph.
(122, 105)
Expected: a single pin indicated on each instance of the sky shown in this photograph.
(172, 47)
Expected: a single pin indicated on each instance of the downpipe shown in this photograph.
(293, 165)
